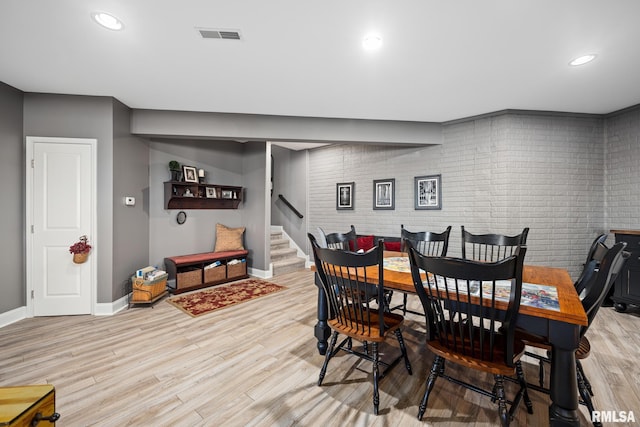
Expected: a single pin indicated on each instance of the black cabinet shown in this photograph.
(627, 285)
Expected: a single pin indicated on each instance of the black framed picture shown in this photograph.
(384, 194)
(344, 195)
(189, 174)
(427, 192)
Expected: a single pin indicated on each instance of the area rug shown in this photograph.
(215, 298)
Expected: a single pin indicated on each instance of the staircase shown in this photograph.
(283, 257)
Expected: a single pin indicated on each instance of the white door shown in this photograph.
(60, 209)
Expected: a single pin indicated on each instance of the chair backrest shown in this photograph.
(343, 241)
(425, 242)
(345, 280)
(597, 289)
(491, 247)
(481, 326)
(596, 252)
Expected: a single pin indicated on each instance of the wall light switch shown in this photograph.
(130, 201)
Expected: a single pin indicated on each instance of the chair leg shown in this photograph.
(523, 388)
(328, 355)
(541, 373)
(404, 304)
(403, 349)
(584, 394)
(584, 377)
(502, 402)
(436, 368)
(376, 394)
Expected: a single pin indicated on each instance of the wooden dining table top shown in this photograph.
(571, 310)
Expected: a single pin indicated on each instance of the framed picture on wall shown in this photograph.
(344, 195)
(190, 174)
(211, 193)
(427, 192)
(384, 194)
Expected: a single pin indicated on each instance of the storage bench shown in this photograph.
(189, 272)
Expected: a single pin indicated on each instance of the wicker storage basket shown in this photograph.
(185, 279)
(215, 274)
(147, 290)
(237, 270)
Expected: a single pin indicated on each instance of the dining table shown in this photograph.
(559, 325)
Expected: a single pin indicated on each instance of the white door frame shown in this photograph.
(30, 141)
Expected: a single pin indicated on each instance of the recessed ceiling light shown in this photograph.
(107, 21)
(581, 60)
(372, 41)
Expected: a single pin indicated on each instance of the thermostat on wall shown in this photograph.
(129, 201)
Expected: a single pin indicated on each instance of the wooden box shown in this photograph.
(147, 290)
(188, 278)
(236, 270)
(215, 274)
(19, 405)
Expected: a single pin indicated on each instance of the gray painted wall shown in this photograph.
(290, 180)
(223, 164)
(622, 178)
(83, 117)
(499, 174)
(12, 188)
(256, 215)
(131, 223)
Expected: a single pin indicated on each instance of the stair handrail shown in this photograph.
(290, 206)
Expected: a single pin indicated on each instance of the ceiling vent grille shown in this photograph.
(219, 34)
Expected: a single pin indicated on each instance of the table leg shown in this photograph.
(563, 410)
(322, 331)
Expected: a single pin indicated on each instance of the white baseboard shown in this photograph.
(262, 274)
(111, 308)
(13, 316)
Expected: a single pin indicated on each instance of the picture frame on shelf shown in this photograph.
(227, 194)
(344, 195)
(384, 194)
(211, 193)
(190, 174)
(428, 192)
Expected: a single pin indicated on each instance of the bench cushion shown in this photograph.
(206, 256)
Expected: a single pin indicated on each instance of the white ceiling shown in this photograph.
(440, 60)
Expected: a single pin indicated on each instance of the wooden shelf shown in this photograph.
(189, 195)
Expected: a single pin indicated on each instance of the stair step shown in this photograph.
(279, 254)
(279, 244)
(288, 265)
(276, 235)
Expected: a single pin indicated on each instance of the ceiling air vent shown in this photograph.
(219, 34)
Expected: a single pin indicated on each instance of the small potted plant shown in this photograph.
(80, 250)
(174, 169)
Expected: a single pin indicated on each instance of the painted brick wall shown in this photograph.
(623, 170)
(499, 174)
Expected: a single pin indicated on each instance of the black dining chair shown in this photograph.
(469, 323)
(427, 243)
(491, 247)
(344, 279)
(598, 281)
(345, 241)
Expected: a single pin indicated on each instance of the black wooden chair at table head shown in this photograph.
(346, 284)
(425, 242)
(598, 275)
(491, 247)
(469, 324)
(344, 241)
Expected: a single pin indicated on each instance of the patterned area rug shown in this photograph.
(208, 300)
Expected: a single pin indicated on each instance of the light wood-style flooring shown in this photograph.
(257, 364)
